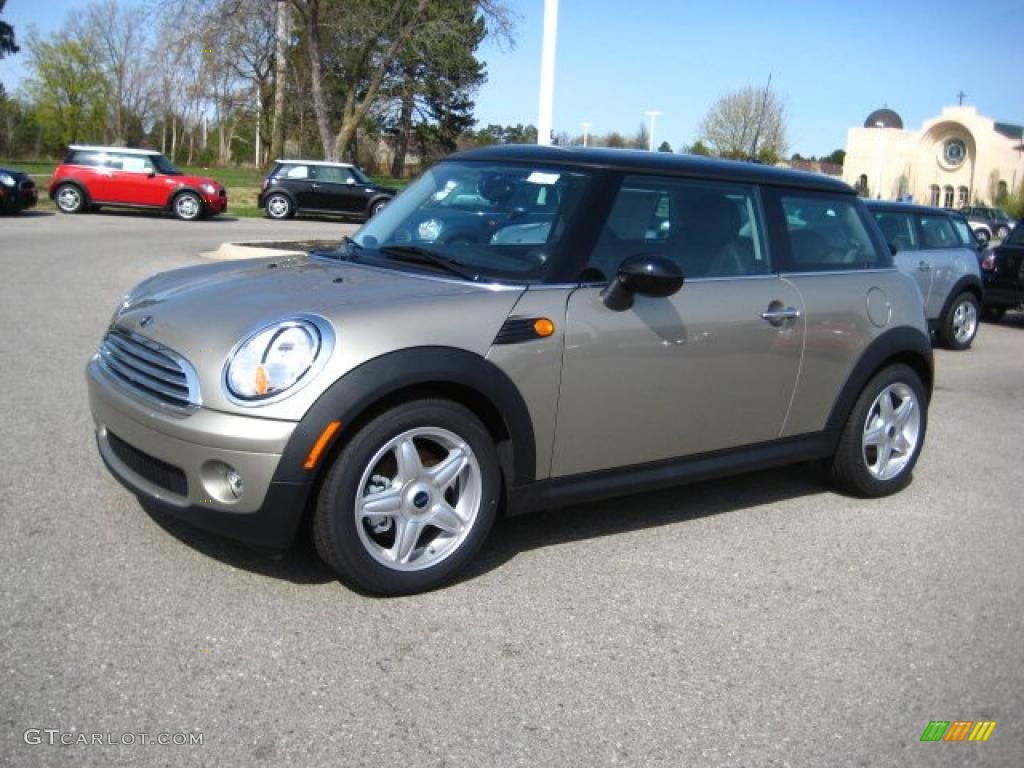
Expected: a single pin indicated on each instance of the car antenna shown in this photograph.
(760, 119)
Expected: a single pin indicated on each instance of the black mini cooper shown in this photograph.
(312, 186)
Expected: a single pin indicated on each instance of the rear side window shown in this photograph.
(86, 157)
(295, 172)
(937, 232)
(333, 174)
(826, 233)
(898, 229)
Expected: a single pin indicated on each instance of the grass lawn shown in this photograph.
(243, 184)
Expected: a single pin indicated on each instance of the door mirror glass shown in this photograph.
(646, 274)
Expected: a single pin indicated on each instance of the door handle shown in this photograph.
(315, 186)
(924, 266)
(777, 316)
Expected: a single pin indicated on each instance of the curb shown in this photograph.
(236, 251)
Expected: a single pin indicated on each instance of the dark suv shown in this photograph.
(1003, 270)
(312, 186)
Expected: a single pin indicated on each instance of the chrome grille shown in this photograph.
(149, 369)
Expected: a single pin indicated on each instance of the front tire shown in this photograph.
(410, 499)
(279, 207)
(187, 206)
(1002, 232)
(69, 199)
(377, 207)
(983, 236)
(883, 435)
(959, 325)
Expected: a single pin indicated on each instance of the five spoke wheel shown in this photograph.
(891, 431)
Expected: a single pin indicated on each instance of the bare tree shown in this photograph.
(748, 122)
(281, 26)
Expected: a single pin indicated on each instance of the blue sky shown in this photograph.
(834, 62)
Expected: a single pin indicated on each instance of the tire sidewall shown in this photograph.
(850, 466)
(337, 537)
(948, 334)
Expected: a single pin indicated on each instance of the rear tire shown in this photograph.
(69, 199)
(410, 499)
(983, 236)
(279, 207)
(959, 325)
(1002, 231)
(883, 435)
(377, 207)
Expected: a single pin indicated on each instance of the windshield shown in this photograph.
(494, 221)
(164, 166)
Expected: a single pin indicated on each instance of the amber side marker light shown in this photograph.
(543, 327)
(321, 443)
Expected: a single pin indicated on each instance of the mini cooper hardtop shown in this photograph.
(522, 328)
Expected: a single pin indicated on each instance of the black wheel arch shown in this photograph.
(373, 387)
(377, 199)
(909, 346)
(280, 191)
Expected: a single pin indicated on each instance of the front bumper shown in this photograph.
(18, 199)
(216, 204)
(177, 463)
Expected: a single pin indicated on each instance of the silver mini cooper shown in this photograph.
(523, 327)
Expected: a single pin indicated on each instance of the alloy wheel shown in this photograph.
(891, 431)
(965, 322)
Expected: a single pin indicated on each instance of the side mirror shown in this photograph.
(350, 180)
(646, 274)
(151, 173)
(893, 249)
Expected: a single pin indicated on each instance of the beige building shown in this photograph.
(958, 158)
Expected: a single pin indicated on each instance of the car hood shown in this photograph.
(203, 312)
(19, 175)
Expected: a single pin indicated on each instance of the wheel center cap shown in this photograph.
(421, 499)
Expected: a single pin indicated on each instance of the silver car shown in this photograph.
(523, 327)
(936, 248)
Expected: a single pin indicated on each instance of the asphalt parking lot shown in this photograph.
(759, 621)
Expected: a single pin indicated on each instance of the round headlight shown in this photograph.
(273, 359)
(6, 179)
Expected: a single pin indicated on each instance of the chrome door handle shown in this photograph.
(778, 315)
(924, 266)
(315, 186)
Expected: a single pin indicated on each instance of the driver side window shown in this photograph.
(709, 229)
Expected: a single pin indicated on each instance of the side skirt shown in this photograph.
(593, 486)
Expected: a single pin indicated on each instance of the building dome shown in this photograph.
(886, 117)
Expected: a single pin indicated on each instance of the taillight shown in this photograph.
(266, 183)
(988, 261)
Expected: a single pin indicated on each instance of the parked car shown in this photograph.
(311, 186)
(1003, 270)
(17, 191)
(936, 248)
(988, 223)
(666, 318)
(116, 177)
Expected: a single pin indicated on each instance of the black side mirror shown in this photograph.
(893, 249)
(646, 274)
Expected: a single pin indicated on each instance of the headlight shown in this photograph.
(209, 189)
(7, 180)
(429, 230)
(275, 358)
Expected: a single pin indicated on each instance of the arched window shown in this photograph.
(961, 197)
(933, 198)
(947, 197)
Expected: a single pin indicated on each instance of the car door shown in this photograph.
(940, 246)
(297, 181)
(902, 233)
(712, 367)
(137, 182)
(336, 189)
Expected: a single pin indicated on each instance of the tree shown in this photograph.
(70, 94)
(7, 45)
(698, 148)
(665, 147)
(353, 47)
(838, 157)
(746, 123)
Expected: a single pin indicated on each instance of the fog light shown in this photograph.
(234, 481)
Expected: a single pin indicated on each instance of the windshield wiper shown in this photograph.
(414, 253)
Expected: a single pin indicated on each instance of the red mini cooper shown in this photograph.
(91, 177)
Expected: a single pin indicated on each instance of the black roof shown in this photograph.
(901, 207)
(664, 163)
